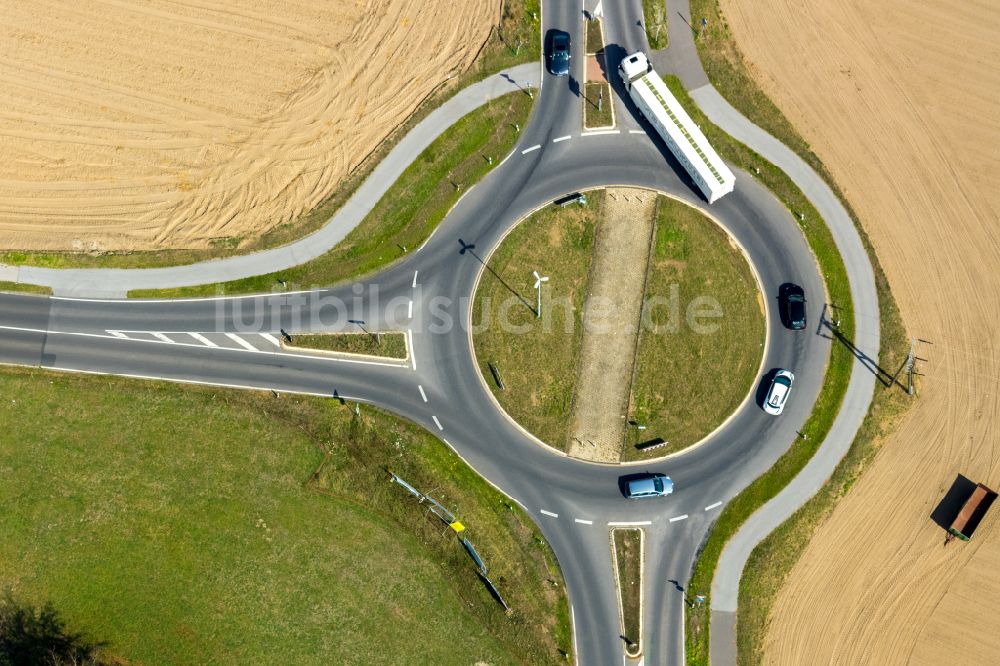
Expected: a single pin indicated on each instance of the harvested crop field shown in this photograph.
(165, 125)
(901, 100)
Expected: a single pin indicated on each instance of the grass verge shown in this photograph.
(835, 381)
(655, 22)
(196, 525)
(386, 345)
(628, 565)
(515, 40)
(595, 38)
(537, 357)
(408, 212)
(597, 105)
(693, 269)
(25, 288)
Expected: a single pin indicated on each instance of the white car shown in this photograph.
(777, 395)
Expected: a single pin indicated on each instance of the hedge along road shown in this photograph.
(441, 388)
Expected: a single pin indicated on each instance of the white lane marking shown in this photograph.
(328, 359)
(140, 301)
(712, 506)
(118, 334)
(637, 131)
(413, 356)
(415, 279)
(676, 518)
(630, 524)
(583, 522)
(160, 336)
(241, 342)
(528, 150)
(270, 338)
(562, 138)
(203, 340)
(549, 513)
(437, 423)
(409, 310)
(600, 132)
(572, 622)
(422, 394)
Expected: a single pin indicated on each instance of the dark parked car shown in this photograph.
(558, 52)
(649, 485)
(794, 306)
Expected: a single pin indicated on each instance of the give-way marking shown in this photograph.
(636, 523)
(549, 513)
(562, 138)
(676, 518)
(528, 150)
(713, 506)
(584, 522)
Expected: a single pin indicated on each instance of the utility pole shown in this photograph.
(910, 362)
(538, 286)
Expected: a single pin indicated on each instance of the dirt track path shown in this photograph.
(611, 319)
(901, 100)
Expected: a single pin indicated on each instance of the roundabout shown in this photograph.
(430, 295)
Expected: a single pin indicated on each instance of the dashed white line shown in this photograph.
(415, 279)
(413, 356)
(713, 506)
(160, 336)
(437, 423)
(409, 310)
(630, 524)
(422, 394)
(637, 131)
(241, 342)
(562, 138)
(270, 338)
(203, 340)
(528, 150)
(549, 513)
(676, 518)
(583, 522)
(601, 132)
(118, 334)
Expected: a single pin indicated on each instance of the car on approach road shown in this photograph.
(649, 485)
(777, 395)
(793, 306)
(558, 53)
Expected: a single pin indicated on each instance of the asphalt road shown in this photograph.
(233, 342)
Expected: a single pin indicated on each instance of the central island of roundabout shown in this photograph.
(647, 334)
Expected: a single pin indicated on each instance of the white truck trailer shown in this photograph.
(656, 103)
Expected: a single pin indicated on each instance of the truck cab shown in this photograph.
(633, 67)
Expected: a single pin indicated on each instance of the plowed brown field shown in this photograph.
(901, 99)
(154, 124)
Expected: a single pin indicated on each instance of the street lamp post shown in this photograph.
(538, 287)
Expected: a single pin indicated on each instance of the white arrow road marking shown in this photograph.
(584, 522)
(549, 513)
(203, 340)
(676, 518)
(243, 343)
(713, 506)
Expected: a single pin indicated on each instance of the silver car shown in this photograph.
(777, 395)
(649, 485)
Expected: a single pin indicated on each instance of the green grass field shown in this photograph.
(655, 22)
(408, 212)
(25, 288)
(598, 110)
(678, 392)
(595, 38)
(387, 345)
(692, 253)
(195, 525)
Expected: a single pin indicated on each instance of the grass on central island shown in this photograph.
(386, 345)
(628, 558)
(693, 266)
(185, 524)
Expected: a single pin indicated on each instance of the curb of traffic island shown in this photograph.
(637, 652)
(630, 463)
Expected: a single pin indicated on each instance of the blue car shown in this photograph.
(649, 485)
(558, 53)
